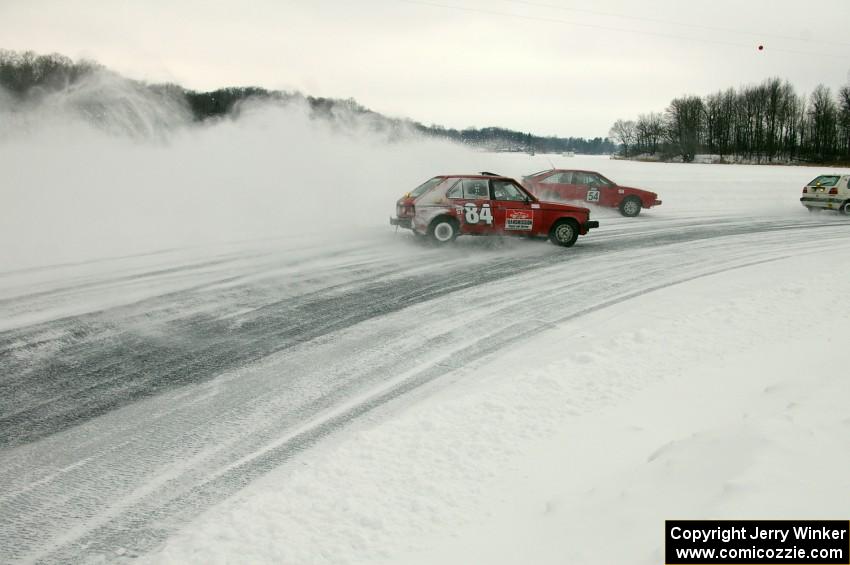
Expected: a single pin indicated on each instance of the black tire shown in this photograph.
(630, 207)
(844, 208)
(564, 233)
(443, 230)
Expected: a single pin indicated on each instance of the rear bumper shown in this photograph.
(406, 223)
(815, 202)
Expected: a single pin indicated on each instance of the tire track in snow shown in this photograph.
(140, 518)
(97, 362)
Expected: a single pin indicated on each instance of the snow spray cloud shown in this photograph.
(103, 169)
(103, 100)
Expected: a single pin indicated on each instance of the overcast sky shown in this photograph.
(553, 67)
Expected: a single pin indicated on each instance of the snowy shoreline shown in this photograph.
(701, 159)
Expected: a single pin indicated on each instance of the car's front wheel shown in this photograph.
(443, 230)
(564, 233)
(630, 207)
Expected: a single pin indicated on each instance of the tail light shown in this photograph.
(805, 190)
(833, 190)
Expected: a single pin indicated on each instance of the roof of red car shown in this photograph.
(566, 170)
(476, 176)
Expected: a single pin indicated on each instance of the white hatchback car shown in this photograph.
(827, 192)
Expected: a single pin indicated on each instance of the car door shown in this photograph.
(473, 208)
(513, 212)
(582, 182)
(600, 190)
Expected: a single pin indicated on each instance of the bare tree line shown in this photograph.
(768, 122)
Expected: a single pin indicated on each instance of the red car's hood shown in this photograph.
(558, 207)
(638, 191)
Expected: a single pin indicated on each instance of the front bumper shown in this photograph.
(591, 224)
(406, 223)
(657, 203)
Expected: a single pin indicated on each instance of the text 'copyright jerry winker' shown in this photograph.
(757, 542)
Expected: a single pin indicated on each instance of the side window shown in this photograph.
(565, 177)
(596, 180)
(456, 191)
(504, 190)
(476, 189)
(582, 179)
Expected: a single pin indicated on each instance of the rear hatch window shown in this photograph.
(425, 186)
(825, 180)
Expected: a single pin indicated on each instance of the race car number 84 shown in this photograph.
(473, 215)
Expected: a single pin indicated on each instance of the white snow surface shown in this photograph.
(711, 396)
(719, 398)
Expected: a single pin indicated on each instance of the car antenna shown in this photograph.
(550, 162)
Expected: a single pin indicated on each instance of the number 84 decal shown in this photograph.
(472, 215)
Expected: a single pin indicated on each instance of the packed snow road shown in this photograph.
(137, 391)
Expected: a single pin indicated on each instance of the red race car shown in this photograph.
(487, 204)
(562, 184)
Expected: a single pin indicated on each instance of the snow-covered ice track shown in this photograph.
(62, 372)
(119, 422)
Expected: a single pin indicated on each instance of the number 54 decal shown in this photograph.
(593, 196)
(473, 215)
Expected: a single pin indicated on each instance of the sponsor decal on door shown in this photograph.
(519, 220)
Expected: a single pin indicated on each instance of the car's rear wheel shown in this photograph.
(564, 233)
(845, 208)
(630, 207)
(443, 230)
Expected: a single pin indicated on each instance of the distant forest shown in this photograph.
(27, 74)
(768, 122)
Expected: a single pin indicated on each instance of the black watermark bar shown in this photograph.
(757, 542)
